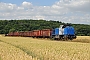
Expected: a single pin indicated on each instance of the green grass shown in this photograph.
(0, 58)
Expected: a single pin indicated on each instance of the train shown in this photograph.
(64, 32)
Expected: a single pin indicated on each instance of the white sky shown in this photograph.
(68, 11)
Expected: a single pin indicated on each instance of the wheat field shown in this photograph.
(25, 48)
(84, 39)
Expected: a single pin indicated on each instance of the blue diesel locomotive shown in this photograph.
(64, 32)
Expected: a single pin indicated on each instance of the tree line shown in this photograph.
(7, 26)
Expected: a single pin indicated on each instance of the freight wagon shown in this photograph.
(64, 32)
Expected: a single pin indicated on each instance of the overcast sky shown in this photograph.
(68, 11)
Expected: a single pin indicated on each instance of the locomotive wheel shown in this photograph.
(65, 37)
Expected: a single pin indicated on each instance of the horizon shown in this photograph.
(49, 20)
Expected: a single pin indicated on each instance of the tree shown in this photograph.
(12, 30)
(7, 26)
